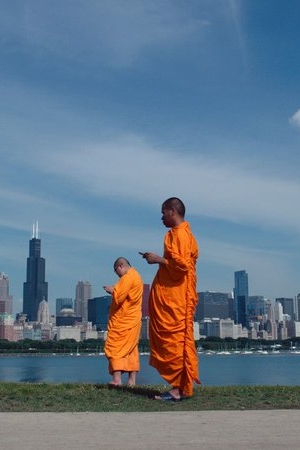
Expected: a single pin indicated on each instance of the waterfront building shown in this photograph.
(88, 334)
(296, 329)
(282, 331)
(196, 331)
(262, 334)
(32, 332)
(46, 331)
(210, 327)
(6, 326)
(68, 332)
(6, 300)
(82, 295)
(227, 328)
(222, 328)
(18, 332)
(61, 303)
(252, 333)
(241, 294)
(35, 289)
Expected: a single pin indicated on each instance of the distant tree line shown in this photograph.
(97, 345)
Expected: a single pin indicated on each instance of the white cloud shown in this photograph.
(295, 119)
(127, 167)
(118, 31)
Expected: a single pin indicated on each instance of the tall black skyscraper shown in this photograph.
(35, 289)
(241, 295)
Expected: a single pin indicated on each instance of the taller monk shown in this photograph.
(172, 303)
(124, 324)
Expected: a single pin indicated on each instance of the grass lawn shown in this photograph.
(75, 397)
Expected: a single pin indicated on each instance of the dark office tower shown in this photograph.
(146, 293)
(287, 306)
(257, 306)
(35, 289)
(297, 312)
(98, 311)
(213, 304)
(241, 294)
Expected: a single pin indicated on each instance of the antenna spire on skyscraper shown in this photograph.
(35, 230)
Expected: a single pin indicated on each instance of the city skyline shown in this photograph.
(84, 288)
(108, 109)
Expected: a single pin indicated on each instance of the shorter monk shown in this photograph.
(124, 324)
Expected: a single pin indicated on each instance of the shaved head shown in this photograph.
(121, 260)
(176, 204)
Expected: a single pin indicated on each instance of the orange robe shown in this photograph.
(172, 303)
(124, 324)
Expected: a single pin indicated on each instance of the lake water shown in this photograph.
(215, 370)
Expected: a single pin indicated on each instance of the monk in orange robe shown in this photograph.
(124, 324)
(172, 303)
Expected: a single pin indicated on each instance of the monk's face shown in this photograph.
(167, 217)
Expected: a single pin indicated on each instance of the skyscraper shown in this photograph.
(288, 305)
(214, 304)
(297, 311)
(35, 289)
(146, 293)
(98, 311)
(6, 300)
(82, 295)
(241, 294)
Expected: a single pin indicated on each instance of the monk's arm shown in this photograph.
(121, 289)
(152, 258)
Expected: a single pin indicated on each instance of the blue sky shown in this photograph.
(108, 107)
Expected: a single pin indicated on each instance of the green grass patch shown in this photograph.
(75, 397)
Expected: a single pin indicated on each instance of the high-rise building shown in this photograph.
(82, 295)
(241, 294)
(62, 303)
(214, 304)
(43, 315)
(35, 289)
(257, 306)
(98, 311)
(145, 301)
(6, 300)
(297, 312)
(7, 327)
(287, 306)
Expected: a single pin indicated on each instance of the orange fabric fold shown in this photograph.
(124, 325)
(172, 303)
